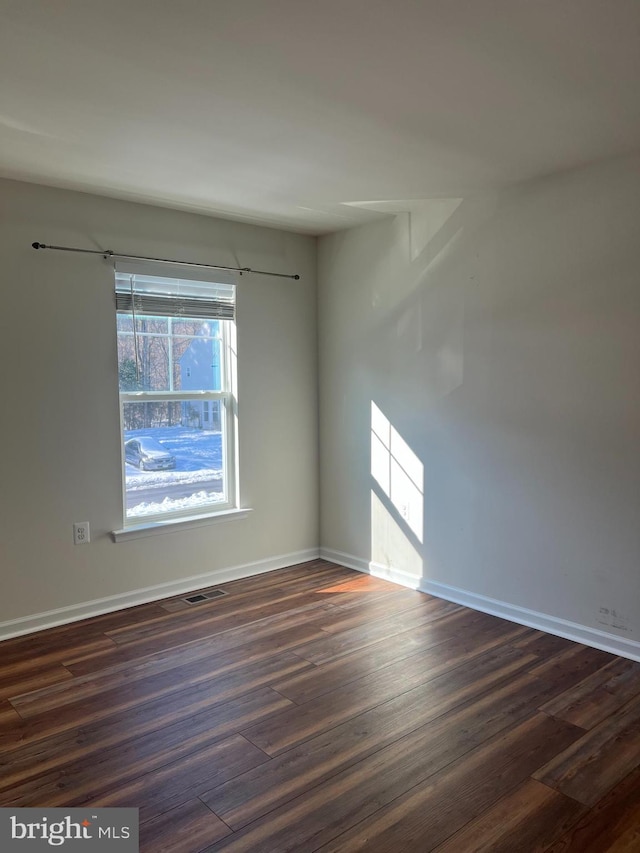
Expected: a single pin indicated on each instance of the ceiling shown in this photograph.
(312, 115)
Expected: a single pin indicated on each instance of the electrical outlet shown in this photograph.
(81, 534)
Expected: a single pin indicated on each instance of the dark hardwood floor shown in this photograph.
(315, 708)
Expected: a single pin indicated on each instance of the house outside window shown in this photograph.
(176, 369)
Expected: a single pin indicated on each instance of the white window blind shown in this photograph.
(191, 293)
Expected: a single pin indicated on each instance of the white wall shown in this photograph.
(60, 446)
(501, 338)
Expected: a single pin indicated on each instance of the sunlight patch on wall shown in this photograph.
(398, 471)
(428, 226)
(390, 545)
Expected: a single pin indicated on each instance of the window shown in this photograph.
(176, 350)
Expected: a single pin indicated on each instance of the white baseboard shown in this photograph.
(75, 612)
(512, 612)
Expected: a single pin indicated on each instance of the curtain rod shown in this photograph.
(107, 253)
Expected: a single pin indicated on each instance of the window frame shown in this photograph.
(227, 396)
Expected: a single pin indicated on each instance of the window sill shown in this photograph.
(171, 525)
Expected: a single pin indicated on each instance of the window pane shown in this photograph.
(144, 324)
(124, 323)
(195, 328)
(174, 459)
(143, 363)
(196, 364)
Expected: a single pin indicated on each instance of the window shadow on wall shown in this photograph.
(397, 501)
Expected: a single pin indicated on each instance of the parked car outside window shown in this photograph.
(148, 454)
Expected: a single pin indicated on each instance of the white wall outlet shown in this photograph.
(81, 534)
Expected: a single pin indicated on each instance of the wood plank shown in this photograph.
(126, 745)
(13, 684)
(344, 670)
(347, 615)
(48, 645)
(360, 582)
(451, 731)
(209, 619)
(405, 806)
(357, 601)
(596, 697)
(120, 658)
(528, 818)
(240, 604)
(295, 725)
(191, 664)
(225, 681)
(205, 692)
(254, 583)
(115, 779)
(283, 577)
(588, 769)
(611, 826)
(545, 645)
(572, 665)
(17, 661)
(202, 630)
(230, 637)
(260, 581)
(8, 714)
(155, 792)
(187, 828)
(387, 652)
(329, 648)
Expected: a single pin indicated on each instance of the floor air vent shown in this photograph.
(204, 596)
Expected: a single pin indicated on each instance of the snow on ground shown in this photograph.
(147, 479)
(195, 501)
